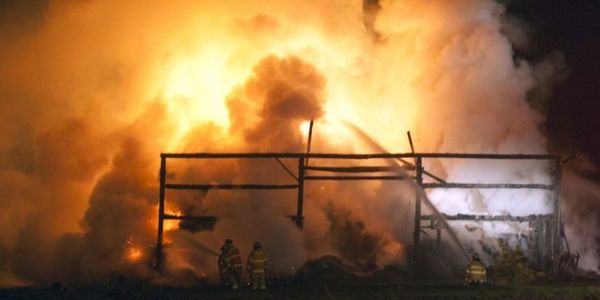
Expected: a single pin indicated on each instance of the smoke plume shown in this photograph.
(92, 91)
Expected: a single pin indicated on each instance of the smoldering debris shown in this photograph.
(353, 242)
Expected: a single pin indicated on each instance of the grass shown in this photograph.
(563, 291)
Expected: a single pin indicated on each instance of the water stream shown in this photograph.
(366, 138)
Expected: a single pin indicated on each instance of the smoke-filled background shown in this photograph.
(92, 91)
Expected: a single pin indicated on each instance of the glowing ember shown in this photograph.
(172, 224)
(134, 254)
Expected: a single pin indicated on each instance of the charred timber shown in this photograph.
(230, 186)
(361, 169)
(207, 219)
(361, 156)
(434, 177)
(355, 177)
(161, 210)
(487, 186)
(464, 217)
(286, 168)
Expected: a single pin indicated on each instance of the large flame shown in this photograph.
(96, 90)
(196, 79)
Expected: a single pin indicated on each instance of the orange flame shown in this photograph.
(133, 253)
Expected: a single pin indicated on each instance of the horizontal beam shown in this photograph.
(175, 186)
(355, 177)
(195, 218)
(360, 169)
(486, 186)
(463, 217)
(360, 156)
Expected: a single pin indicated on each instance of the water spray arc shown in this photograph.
(421, 196)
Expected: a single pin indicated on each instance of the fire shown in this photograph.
(133, 253)
(171, 224)
(97, 113)
(304, 127)
(413, 79)
(194, 90)
(198, 76)
(168, 225)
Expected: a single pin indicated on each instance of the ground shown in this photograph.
(563, 291)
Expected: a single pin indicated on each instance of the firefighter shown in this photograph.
(224, 269)
(476, 273)
(257, 267)
(234, 264)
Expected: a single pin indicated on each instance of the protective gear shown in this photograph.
(230, 265)
(235, 265)
(257, 267)
(224, 267)
(476, 273)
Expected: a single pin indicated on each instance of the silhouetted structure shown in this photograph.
(546, 228)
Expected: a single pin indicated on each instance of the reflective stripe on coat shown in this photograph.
(257, 261)
(233, 256)
(476, 271)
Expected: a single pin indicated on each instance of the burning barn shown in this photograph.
(105, 103)
(542, 237)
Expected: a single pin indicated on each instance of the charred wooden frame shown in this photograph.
(417, 167)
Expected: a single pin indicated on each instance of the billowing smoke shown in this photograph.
(581, 212)
(92, 91)
(266, 113)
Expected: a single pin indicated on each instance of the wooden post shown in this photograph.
(412, 147)
(417, 229)
(309, 142)
(556, 217)
(300, 208)
(438, 234)
(161, 214)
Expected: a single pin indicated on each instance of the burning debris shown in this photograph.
(326, 268)
(351, 240)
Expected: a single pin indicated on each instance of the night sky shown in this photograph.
(573, 110)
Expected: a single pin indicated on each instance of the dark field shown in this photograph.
(329, 292)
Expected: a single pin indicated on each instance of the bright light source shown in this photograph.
(304, 127)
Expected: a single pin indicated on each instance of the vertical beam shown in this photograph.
(417, 229)
(300, 208)
(412, 147)
(301, 170)
(436, 224)
(309, 143)
(556, 230)
(161, 213)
